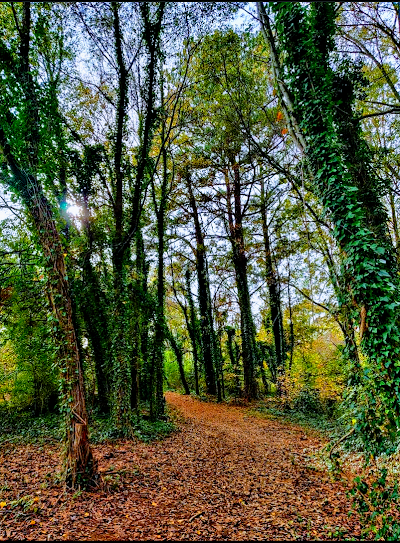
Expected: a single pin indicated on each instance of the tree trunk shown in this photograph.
(79, 464)
(234, 361)
(341, 165)
(274, 290)
(140, 323)
(157, 408)
(248, 332)
(97, 328)
(395, 224)
(120, 348)
(192, 325)
(80, 467)
(207, 325)
(179, 358)
(157, 404)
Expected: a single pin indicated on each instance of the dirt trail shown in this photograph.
(225, 476)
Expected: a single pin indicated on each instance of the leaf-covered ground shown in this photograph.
(225, 476)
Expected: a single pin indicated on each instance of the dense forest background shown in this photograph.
(200, 197)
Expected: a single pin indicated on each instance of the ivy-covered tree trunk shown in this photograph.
(79, 463)
(157, 399)
(340, 161)
(90, 298)
(127, 224)
(247, 328)
(120, 252)
(141, 308)
(97, 327)
(207, 324)
(80, 467)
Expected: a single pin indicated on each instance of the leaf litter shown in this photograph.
(225, 476)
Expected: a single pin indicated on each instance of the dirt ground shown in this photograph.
(224, 476)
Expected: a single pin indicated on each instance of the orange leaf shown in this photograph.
(32, 522)
(280, 116)
(285, 131)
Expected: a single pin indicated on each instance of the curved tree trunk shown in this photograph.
(178, 350)
(80, 467)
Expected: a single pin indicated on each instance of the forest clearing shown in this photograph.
(225, 476)
(200, 261)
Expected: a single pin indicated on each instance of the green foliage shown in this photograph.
(377, 500)
(369, 261)
(324, 421)
(23, 428)
(28, 378)
(103, 429)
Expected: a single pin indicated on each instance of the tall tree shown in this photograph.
(310, 90)
(23, 158)
(205, 305)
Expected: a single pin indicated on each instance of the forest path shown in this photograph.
(225, 476)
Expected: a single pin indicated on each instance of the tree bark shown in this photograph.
(248, 332)
(192, 325)
(80, 467)
(207, 325)
(274, 290)
(177, 348)
(234, 361)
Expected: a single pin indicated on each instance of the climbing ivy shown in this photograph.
(340, 162)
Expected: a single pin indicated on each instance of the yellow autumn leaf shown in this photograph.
(32, 522)
(2, 504)
(86, 515)
(154, 504)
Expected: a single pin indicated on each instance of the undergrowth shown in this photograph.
(25, 428)
(328, 424)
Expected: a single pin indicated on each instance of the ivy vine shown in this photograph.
(340, 160)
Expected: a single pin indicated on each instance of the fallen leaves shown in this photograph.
(221, 478)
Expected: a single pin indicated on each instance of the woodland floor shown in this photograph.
(226, 475)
